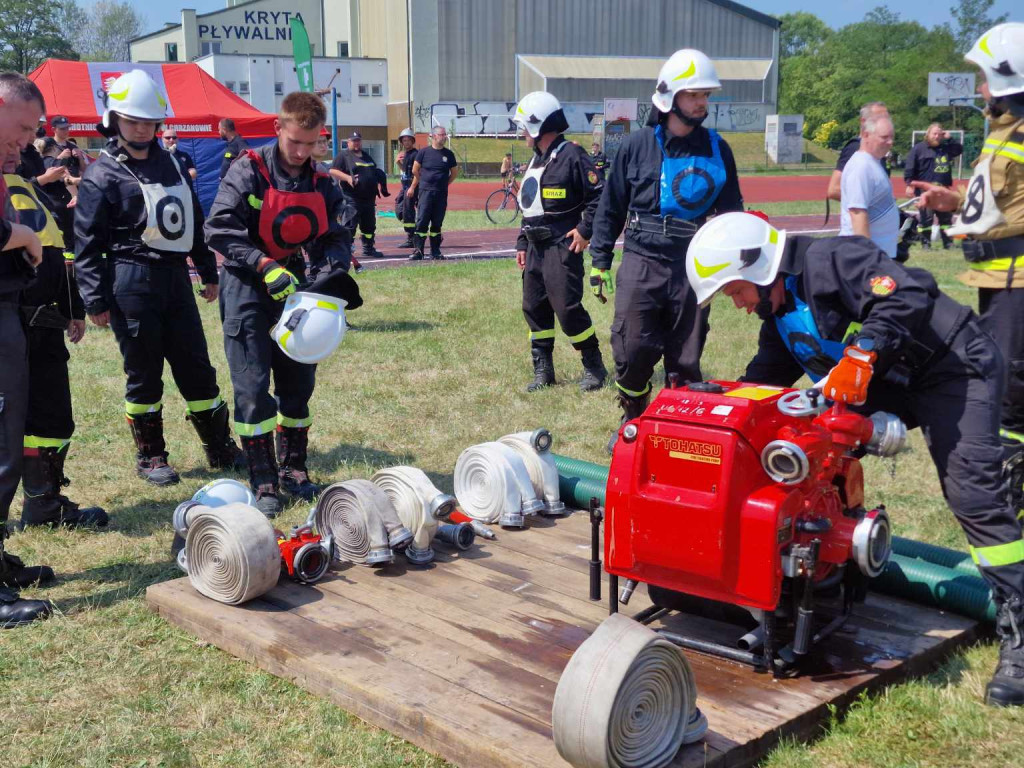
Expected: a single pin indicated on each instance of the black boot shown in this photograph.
(151, 454)
(14, 574)
(632, 408)
(42, 479)
(543, 368)
(435, 247)
(259, 452)
(15, 612)
(594, 372)
(221, 450)
(1013, 471)
(418, 241)
(291, 458)
(1006, 688)
(409, 242)
(370, 249)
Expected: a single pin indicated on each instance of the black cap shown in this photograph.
(59, 121)
(356, 135)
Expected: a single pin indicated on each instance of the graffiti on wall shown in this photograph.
(494, 118)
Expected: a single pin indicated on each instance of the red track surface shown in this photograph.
(471, 195)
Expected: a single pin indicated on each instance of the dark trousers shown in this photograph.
(431, 208)
(366, 221)
(553, 287)
(1002, 315)
(49, 398)
(13, 400)
(924, 227)
(155, 318)
(66, 221)
(405, 208)
(249, 313)
(956, 403)
(656, 315)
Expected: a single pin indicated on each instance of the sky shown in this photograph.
(835, 14)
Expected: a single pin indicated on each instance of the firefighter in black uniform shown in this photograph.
(235, 146)
(876, 334)
(136, 222)
(433, 172)
(558, 196)
(50, 305)
(931, 160)
(357, 172)
(665, 180)
(271, 204)
(599, 159)
(405, 204)
(21, 105)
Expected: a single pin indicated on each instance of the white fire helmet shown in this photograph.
(730, 247)
(686, 70)
(538, 113)
(312, 325)
(224, 491)
(1000, 55)
(134, 94)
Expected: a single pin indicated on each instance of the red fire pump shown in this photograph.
(305, 557)
(749, 500)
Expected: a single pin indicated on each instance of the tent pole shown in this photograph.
(334, 120)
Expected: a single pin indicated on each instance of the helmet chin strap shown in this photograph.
(693, 122)
(764, 305)
(137, 145)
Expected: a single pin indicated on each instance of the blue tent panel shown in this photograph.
(207, 154)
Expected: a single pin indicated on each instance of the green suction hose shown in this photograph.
(947, 558)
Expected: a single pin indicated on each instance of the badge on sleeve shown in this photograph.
(882, 285)
(592, 177)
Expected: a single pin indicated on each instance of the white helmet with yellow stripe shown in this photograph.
(686, 70)
(731, 247)
(312, 325)
(1000, 55)
(134, 94)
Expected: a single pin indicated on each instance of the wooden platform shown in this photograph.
(462, 658)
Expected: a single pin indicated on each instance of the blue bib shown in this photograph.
(800, 334)
(689, 185)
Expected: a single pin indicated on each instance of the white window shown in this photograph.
(208, 48)
(363, 89)
(279, 89)
(243, 86)
(375, 89)
(230, 85)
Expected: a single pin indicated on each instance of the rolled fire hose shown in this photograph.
(362, 520)
(625, 700)
(419, 504)
(232, 552)
(539, 466)
(493, 486)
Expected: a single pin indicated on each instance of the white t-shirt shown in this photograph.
(865, 185)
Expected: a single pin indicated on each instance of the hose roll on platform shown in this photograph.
(540, 466)
(362, 520)
(624, 699)
(419, 504)
(232, 553)
(493, 486)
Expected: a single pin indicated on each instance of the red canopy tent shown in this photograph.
(196, 102)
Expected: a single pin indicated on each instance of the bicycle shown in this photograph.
(502, 206)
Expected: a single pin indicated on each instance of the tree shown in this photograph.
(30, 33)
(972, 19)
(802, 34)
(111, 26)
(73, 24)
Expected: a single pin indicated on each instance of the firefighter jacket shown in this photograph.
(853, 290)
(560, 190)
(142, 211)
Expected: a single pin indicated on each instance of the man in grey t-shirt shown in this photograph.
(869, 208)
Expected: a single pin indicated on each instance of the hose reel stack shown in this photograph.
(420, 507)
(363, 522)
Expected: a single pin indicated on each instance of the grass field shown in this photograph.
(438, 362)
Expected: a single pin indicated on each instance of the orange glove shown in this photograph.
(848, 381)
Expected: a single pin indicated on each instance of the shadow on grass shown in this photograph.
(347, 454)
(384, 326)
(131, 579)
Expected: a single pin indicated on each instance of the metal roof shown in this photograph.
(634, 67)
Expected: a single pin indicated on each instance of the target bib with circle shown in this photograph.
(25, 208)
(800, 334)
(980, 212)
(170, 225)
(288, 220)
(531, 201)
(690, 185)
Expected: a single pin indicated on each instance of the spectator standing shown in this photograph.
(236, 145)
(405, 203)
(931, 160)
(869, 208)
(357, 172)
(188, 166)
(433, 172)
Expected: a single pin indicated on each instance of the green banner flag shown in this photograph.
(303, 55)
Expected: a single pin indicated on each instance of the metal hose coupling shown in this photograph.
(231, 552)
(625, 700)
(534, 449)
(362, 521)
(888, 436)
(494, 486)
(419, 504)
